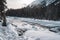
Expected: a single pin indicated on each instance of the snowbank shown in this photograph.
(17, 29)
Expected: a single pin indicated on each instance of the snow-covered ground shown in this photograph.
(49, 23)
(23, 29)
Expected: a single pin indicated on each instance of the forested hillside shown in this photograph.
(50, 12)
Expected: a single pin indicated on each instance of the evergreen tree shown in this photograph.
(2, 11)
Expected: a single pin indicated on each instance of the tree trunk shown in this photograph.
(4, 19)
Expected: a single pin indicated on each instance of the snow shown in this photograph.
(39, 21)
(21, 29)
(37, 2)
(42, 35)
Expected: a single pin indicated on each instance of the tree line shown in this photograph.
(50, 12)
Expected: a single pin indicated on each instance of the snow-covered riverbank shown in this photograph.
(20, 26)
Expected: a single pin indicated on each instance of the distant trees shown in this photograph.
(53, 11)
(50, 12)
(2, 11)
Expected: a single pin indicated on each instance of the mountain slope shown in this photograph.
(41, 2)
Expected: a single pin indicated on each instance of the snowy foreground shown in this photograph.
(29, 29)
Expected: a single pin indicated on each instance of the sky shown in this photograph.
(15, 4)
